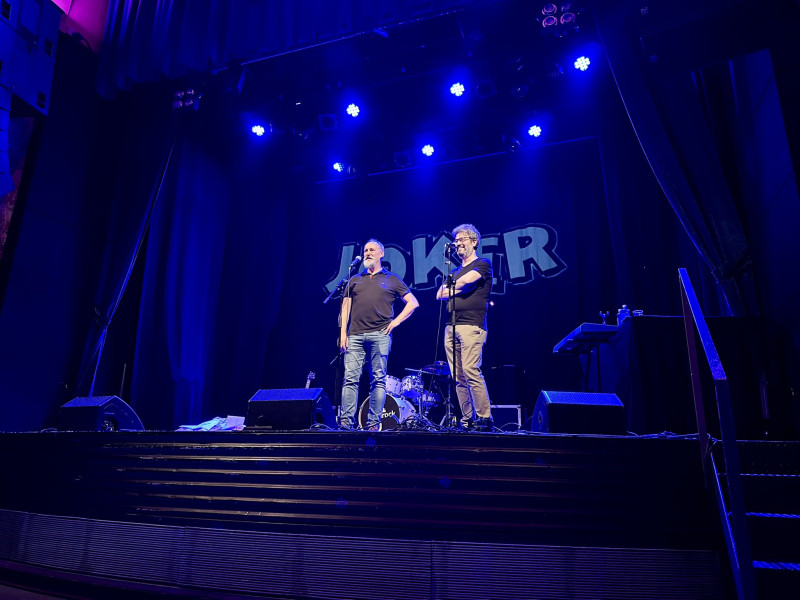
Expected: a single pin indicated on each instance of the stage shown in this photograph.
(395, 514)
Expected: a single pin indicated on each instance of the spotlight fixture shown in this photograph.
(555, 72)
(258, 130)
(534, 131)
(559, 19)
(185, 100)
(582, 63)
(402, 159)
(520, 90)
(353, 110)
(327, 121)
(485, 89)
(427, 150)
(457, 89)
(345, 168)
(510, 143)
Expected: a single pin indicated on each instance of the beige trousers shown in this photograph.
(470, 385)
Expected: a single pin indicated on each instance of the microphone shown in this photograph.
(355, 262)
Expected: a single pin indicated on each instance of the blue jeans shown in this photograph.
(376, 345)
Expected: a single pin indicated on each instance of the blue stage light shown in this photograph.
(258, 130)
(535, 131)
(353, 110)
(337, 166)
(427, 150)
(457, 89)
(582, 63)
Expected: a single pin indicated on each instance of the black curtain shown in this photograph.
(672, 126)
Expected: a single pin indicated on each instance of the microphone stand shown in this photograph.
(338, 377)
(339, 288)
(451, 304)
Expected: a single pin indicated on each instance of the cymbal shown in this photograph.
(440, 368)
(415, 370)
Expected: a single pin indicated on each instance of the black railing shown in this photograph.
(734, 522)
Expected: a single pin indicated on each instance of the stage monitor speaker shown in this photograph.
(578, 412)
(289, 409)
(98, 413)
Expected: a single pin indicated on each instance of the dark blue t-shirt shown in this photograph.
(372, 300)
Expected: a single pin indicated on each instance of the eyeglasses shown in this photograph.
(462, 239)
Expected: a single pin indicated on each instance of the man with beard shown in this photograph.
(367, 322)
(473, 283)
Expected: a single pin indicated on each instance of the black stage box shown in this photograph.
(98, 413)
(289, 409)
(578, 412)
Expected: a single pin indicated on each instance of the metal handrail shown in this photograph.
(737, 536)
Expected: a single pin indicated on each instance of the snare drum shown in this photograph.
(394, 386)
(396, 410)
(412, 386)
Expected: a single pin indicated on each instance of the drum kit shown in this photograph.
(409, 404)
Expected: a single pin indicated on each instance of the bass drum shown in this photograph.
(396, 410)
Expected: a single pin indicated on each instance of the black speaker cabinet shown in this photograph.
(290, 409)
(578, 412)
(98, 413)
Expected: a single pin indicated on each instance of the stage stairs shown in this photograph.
(770, 474)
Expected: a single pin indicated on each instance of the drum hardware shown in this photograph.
(440, 369)
(426, 399)
(449, 420)
(412, 386)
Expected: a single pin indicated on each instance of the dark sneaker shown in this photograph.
(346, 425)
(484, 424)
(467, 424)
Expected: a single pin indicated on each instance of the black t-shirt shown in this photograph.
(372, 299)
(471, 306)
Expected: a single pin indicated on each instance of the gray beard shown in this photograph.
(369, 263)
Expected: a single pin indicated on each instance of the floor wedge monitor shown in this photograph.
(578, 412)
(289, 409)
(98, 413)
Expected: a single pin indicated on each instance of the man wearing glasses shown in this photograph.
(366, 331)
(473, 283)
